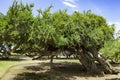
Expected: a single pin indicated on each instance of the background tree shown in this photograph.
(111, 50)
(16, 25)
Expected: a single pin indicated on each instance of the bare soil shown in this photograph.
(40, 70)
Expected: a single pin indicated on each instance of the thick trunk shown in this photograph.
(106, 67)
(90, 61)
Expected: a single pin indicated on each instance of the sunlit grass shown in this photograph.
(5, 65)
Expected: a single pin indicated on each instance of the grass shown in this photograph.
(5, 65)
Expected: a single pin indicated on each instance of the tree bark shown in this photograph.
(90, 60)
(51, 61)
(105, 65)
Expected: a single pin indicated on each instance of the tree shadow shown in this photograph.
(59, 71)
(114, 79)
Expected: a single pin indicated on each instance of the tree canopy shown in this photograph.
(52, 31)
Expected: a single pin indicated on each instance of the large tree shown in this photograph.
(94, 31)
(84, 34)
(51, 33)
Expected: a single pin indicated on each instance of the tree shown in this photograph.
(111, 50)
(4, 49)
(83, 34)
(16, 25)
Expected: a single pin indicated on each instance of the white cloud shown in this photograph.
(72, 4)
(72, 1)
(117, 28)
(69, 4)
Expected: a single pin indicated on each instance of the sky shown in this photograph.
(109, 9)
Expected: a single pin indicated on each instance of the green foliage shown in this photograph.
(19, 21)
(55, 30)
(93, 29)
(15, 26)
(112, 50)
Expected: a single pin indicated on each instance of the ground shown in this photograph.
(61, 70)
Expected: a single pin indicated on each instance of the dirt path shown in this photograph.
(40, 70)
(18, 69)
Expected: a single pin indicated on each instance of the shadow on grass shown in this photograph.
(15, 58)
(60, 71)
(114, 79)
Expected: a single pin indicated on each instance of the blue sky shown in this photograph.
(106, 8)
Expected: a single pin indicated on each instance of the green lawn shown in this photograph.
(5, 65)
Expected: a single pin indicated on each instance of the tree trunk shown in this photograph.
(51, 61)
(38, 57)
(6, 55)
(17, 46)
(90, 61)
(105, 65)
